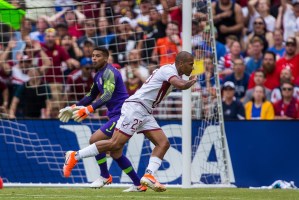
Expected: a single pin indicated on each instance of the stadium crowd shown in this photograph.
(47, 63)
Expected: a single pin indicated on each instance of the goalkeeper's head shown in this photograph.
(100, 57)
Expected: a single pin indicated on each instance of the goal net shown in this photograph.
(37, 81)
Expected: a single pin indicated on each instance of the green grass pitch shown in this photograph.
(171, 193)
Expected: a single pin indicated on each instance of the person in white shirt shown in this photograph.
(136, 116)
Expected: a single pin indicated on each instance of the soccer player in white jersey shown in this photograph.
(136, 116)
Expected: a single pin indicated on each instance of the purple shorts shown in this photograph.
(108, 128)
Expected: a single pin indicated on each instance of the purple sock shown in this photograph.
(124, 163)
(102, 162)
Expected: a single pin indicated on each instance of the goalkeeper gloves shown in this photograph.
(66, 113)
(82, 113)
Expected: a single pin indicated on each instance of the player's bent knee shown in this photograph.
(165, 145)
(115, 146)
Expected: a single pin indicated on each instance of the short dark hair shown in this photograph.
(272, 53)
(102, 49)
(287, 82)
(260, 71)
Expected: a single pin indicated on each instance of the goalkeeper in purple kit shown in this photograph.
(109, 86)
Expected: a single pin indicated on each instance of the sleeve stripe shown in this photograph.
(172, 77)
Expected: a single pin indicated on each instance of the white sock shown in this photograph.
(89, 151)
(153, 165)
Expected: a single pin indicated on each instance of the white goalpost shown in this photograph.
(186, 99)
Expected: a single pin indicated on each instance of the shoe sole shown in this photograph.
(136, 191)
(148, 184)
(97, 187)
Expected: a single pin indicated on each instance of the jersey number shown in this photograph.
(136, 123)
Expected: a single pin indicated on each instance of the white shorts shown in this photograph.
(135, 118)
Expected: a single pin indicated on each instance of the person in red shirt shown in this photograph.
(291, 59)
(74, 19)
(174, 11)
(168, 47)
(58, 55)
(287, 107)
(79, 81)
(270, 71)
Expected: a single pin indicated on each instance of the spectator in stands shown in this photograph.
(143, 18)
(174, 11)
(260, 31)
(279, 47)
(5, 78)
(33, 98)
(152, 66)
(58, 55)
(225, 66)
(79, 81)
(232, 108)
(167, 48)
(74, 20)
(41, 26)
(259, 79)
(134, 74)
(5, 54)
(286, 19)
(54, 75)
(255, 61)
(206, 81)
(285, 77)
(69, 44)
(239, 78)
(19, 72)
(134, 69)
(287, 107)
(205, 44)
(261, 8)
(87, 48)
(259, 108)
(228, 19)
(153, 31)
(291, 59)
(105, 34)
(158, 22)
(4, 98)
(270, 71)
(125, 41)
(19, 37)
(37, 55)
(90, 32)
(61, 30)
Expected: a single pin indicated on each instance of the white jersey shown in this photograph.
(156, 87)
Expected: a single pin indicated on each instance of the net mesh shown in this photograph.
(39, 145)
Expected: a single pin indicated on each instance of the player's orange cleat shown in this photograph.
(69, 164)
(150, 181)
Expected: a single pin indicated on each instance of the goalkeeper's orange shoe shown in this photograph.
(150, 181)
(69, 164)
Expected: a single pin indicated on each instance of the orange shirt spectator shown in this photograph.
(167, 48)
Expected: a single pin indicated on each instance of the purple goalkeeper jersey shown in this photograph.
(109, 85)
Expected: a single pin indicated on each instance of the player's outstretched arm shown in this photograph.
(182, 84)
(108, 89)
